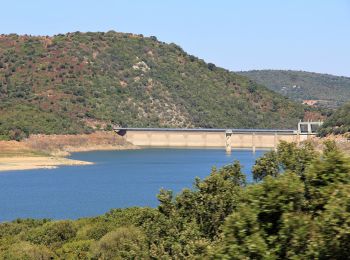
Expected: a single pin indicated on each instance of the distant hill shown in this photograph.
(329, 90)
(78, 82)
(338, 122)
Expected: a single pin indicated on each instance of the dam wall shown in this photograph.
(209, 138)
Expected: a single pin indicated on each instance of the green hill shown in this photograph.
(76, 82)
(331, 91)
(338, 122)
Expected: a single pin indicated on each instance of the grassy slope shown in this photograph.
(57, 84)
(300, 85)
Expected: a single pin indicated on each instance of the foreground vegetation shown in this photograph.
(298, 208)
(77, 82)
(331, 91)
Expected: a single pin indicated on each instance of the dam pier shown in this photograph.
(217, 138)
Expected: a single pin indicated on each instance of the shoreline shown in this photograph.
(31, 163)
(69, 150)
(50, 151)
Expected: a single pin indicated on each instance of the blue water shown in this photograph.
(117, 179)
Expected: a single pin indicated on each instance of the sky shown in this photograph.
(310, 35)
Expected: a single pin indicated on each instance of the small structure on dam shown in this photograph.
(215, 138)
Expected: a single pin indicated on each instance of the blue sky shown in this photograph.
(311, 35)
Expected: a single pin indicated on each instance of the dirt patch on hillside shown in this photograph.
(17, 149)
(342, 141)
(62, 145)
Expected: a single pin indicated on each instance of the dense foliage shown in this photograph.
(338, 122)
(298, 208)
(83, 80)
(332, 91)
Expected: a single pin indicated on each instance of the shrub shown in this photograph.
(123, 243)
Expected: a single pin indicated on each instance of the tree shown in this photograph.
(288, 157)
(52, 234)
(76, 250)
(211, 66)
(335, 224)
(324, 176)
(294, 158)
(123, 243)
(188, 223)
(242, 238)
(299, 237)
(213, 199)
(252, 230)
(267, 165)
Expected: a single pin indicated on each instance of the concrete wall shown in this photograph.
(208, 139)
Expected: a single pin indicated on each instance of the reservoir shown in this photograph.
(118, 179)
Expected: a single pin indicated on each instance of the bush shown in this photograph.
(211, 66)
(25, 250)
(52, 233)
(123, 243)
(76, 250)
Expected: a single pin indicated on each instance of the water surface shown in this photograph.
(118, 179)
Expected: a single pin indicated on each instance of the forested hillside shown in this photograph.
(338, 122)
(78, 82)
(331, 91)
(297, 209)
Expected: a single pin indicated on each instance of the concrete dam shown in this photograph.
(216, 138)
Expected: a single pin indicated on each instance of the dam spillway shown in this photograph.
(211, 138)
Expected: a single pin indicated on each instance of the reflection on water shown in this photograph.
(118, 179)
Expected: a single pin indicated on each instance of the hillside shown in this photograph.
(78, 82)
(331, 91)
(338, 122)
